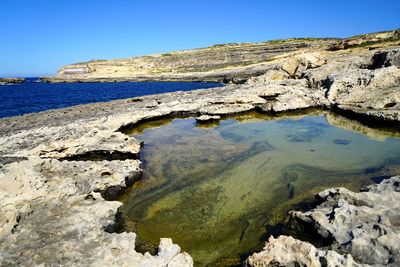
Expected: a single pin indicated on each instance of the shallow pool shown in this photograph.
(216, 189)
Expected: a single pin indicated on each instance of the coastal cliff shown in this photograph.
(62, 169)
(226, 63)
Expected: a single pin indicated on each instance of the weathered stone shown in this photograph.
(370, 92)
(296, 66)
(207, 118)
(287, 251)
(384, 59)
(364, 224)
(272, 75)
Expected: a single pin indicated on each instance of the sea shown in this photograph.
(35, 96)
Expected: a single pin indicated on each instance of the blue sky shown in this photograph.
(39, 36)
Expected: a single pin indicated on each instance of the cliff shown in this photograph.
(218, 63)
(234, 62)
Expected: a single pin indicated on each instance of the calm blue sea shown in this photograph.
(33, 96)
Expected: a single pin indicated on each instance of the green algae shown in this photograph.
(216, 191)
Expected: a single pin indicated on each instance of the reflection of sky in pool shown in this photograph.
(215, 190)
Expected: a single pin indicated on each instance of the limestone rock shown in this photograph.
(364, 224)
(372, 40)
(287, 251)
(385, 58)
(319, 78)
(272, 75)
(207, 118)
(290, 95)
(363, 227)
(368, 91)
(296, 66)
(181, 260)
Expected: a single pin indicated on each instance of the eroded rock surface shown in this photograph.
(363, 229)
(288, 251)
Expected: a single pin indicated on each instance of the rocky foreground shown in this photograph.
(61, 170)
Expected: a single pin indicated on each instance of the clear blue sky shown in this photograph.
(39, 36)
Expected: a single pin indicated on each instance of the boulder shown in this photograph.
(287, 251)
(296, 66)
(385, 59)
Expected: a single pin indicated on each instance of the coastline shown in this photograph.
(61, 167)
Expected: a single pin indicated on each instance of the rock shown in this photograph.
(207, 118)
(385, 59)
(364, 224)
(320, 77)
(181, 260)
(290, 95)
(5, 81)
(271, 75)
(296, 66)
(93, 144)
(167, 250)
(371, 92)
(361, 226)
(372, 40)
(287, 251)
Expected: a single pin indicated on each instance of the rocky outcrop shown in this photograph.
(371, 92)
(372, 40)
(363, 229)
(5, 81)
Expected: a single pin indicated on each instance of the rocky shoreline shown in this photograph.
(61, 169)
(7, 81)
